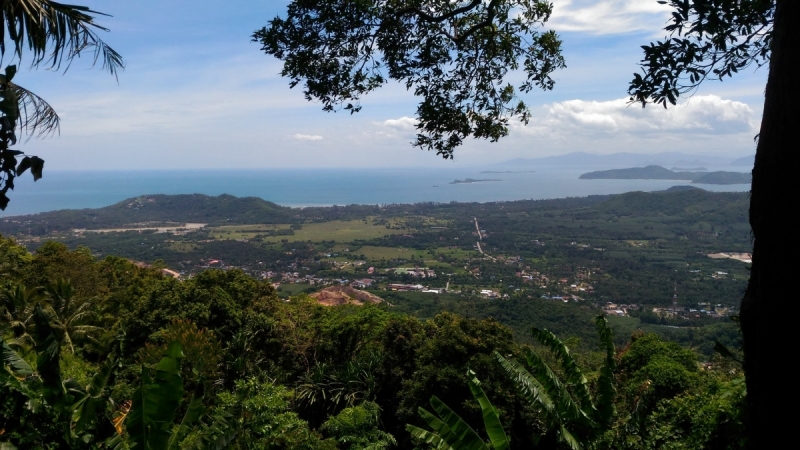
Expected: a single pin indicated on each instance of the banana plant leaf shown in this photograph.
(149, 421)
(13, 364)
(491, 418)
(606, 383)
(528, 386)
(451, 432)
(573, 373)
(457, 433)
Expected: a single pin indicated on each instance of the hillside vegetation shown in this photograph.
(222, 360)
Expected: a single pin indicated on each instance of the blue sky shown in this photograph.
(196, 93)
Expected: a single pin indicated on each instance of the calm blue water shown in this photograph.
(320, 187)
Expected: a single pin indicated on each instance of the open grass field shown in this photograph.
(243, 231)
(337, 230)
(375, 253)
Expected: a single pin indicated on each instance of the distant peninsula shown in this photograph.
(509, 171)
(470, 181)
(661, 173)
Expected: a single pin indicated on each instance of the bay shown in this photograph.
(322, 187)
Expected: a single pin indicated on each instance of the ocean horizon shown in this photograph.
(59, 190)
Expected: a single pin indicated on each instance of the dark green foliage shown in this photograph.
(709, 39)
(357, 428)
(150, 421)
(665, 368)
(73, 413)
(259, 372)
(455, 59)
(261, 418)
(215, 299)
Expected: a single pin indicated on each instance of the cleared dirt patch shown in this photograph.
(344, 295)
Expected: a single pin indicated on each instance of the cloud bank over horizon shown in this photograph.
(195, 87)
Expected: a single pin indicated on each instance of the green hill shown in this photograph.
(661, 173)
(192, 208)
(639, 173)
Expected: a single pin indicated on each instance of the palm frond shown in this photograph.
(55, 33)
(37, 117)
(23, 342)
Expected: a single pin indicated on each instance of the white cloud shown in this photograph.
(404, 123)
(702, 114)
(608, 16)
(307, 137)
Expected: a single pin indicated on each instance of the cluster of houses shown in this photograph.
(562, 298)
(416, 272)
(613, 309)
(701, 310)
(579, 285)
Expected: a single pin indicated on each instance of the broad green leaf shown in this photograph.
(491, 418)
(460, 436)
(569, 439)
(573, 372)
(150, 419)
(428, 437)
(528, 386)
(606, 383)
(565, 406)
(16, 365)
(192, 415)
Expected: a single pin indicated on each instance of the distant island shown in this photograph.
(689, 169)
(661, 173)
(509, 171)
(470, 181)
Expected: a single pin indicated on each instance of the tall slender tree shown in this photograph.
(715, 39)
(51, 34)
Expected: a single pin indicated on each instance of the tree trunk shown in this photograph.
(769, 315)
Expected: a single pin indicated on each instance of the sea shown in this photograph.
(324, 187)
